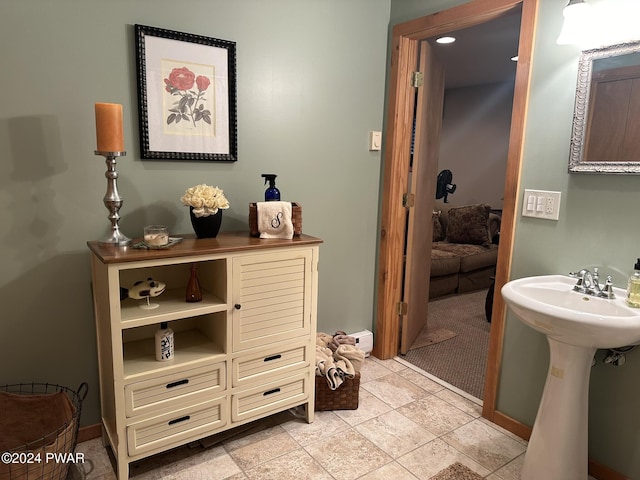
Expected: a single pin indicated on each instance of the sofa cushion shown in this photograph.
(444, 262)
(438, 231)
(469, 224)
(472, 257)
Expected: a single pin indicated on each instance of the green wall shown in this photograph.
(598, 226)
(310, 87)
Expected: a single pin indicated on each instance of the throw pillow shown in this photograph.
(438, 231)
(469, 224)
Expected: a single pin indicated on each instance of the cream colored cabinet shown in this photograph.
(244, 352)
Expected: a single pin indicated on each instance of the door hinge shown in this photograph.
(408, 200)
(401, 308)
(417, 79)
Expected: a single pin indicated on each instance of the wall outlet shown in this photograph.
(541, 204)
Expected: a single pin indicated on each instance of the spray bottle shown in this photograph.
(271, 194)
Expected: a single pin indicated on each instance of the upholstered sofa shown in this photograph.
(464, 251)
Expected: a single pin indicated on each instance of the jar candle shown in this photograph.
(156, 235)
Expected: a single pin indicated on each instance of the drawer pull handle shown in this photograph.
(237, 306)
(178, 420)
(272, 357)
(178, 383)
(269, 392)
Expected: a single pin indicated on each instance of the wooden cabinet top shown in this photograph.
(225, 242)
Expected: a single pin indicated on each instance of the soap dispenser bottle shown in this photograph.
(271, 194)
(633, 287)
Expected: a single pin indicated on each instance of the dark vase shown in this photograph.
(206, 227)
(194, 294)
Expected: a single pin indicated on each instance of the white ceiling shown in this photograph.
(482, 53)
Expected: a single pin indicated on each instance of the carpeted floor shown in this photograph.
(462, 359)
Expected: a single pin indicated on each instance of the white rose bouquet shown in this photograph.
(205, 200)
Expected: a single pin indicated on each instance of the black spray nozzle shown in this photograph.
(269, 177)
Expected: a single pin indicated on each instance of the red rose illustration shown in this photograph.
(202, 82)
(181, 78)
(190, 106)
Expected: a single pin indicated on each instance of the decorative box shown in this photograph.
(296, 219)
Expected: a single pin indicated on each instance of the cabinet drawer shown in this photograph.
(176, 427)
(164, 391)
(263, 366)
(272, 397)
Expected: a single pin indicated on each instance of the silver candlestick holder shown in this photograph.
(112, 199)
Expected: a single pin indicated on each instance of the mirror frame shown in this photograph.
(581, 113)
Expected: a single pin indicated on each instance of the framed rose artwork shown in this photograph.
(186, 96)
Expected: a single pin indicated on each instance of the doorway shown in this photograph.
(405, 38)
(473, 146)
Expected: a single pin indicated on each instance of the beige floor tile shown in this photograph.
(394, 433)
(325, 424)
(294, 465)
(186, 463)
(369, 406)
(347, 455)
(460, 402)
(395, 390)
(427, 460)
(511, 471)
(96, 464)
(421, 380)
(260, 451)
(214, 469)
(390, 471)
(484, 444)
(391, 364)
(435, 415)
(503, 430)
(371, 370)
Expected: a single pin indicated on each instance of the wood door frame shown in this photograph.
(405, 37)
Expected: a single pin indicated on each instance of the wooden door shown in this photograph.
(422, 189)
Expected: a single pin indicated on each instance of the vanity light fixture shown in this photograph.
(445, 40)
(576, 26)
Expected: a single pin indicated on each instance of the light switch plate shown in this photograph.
(375, 141)
(541, 204)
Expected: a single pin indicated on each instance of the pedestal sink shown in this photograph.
(576, 325)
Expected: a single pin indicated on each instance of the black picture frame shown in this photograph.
(186, 96)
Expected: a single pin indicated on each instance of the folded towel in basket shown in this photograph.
(274, 219)
(348, 360)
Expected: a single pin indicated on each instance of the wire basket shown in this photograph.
(38, 430)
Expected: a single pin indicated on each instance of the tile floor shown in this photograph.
(407, 427)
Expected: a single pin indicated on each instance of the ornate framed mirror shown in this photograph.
(606, 115)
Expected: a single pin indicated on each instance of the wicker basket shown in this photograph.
(46, 430)
(345, 397)
(296, 219)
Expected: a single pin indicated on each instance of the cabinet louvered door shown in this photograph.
(272, 295)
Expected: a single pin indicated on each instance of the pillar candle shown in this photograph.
(109, 128)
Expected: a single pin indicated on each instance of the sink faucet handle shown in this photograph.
(580, 284)
(579, 275)
(608, 288)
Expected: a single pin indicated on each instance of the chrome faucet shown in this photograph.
(588, 283)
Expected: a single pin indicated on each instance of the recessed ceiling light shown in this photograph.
(445, 40)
